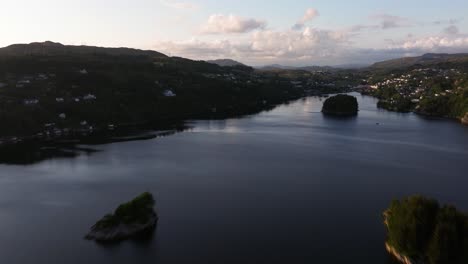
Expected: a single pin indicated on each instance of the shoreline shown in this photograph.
(400, 257)
(80, 135)
(392, 250)
(460, 120)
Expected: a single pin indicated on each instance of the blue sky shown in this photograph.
(290, 32)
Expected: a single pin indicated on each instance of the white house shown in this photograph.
(42, 77)
(31, 101)
(83, 71)
(169, 93)
(24, 81)
(89, 97)
(59, 100)
(63, 116)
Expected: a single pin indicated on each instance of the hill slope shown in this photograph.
(425, 60)
(226, 63)
(49, 48)
(48, 88)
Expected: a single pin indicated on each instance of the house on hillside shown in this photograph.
(42, 77)
(22, 83)
(31, 101)
(169, 93)
(89, 97)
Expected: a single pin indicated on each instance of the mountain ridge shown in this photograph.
(49, 48)
(226, 63)
(425, 59)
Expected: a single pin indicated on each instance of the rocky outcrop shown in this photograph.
(400, 257)
(464, 120)
(121, 231)
(392, 251)
(129, 220)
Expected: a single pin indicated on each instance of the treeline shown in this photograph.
(454, 105)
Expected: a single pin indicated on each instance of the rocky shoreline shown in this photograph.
(122, 231)
(464, 119)
(132, 219)
(400, 257)
(392, 250)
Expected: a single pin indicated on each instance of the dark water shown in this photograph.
(286, 186)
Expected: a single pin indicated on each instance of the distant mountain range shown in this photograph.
(49, 48)
(274, 67)
(425, 60)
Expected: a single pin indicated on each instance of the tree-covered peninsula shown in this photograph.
(48, 90)
(422, 231)
(341, 105)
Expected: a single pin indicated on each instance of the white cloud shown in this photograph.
(310, 46)
(307, 45)
(178, 5)
(265, 46)
(434, 44)
(222, 24)
(309, 15)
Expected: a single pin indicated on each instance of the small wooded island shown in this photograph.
(130, 219)
(341, 105)
(421, 231)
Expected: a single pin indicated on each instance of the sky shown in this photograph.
(260, 32)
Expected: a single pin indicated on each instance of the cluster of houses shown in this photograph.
(88, 97)
(26, 80)
(225, 76)
(52, 130)
(416, 85)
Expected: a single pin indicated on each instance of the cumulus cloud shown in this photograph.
(309, 15)
(178, 5)
(311, 46)
(434, 44)
(266, 46)
(222, 24)
(387, 21)
(307, 45)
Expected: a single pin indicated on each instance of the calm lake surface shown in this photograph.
(285, 186)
